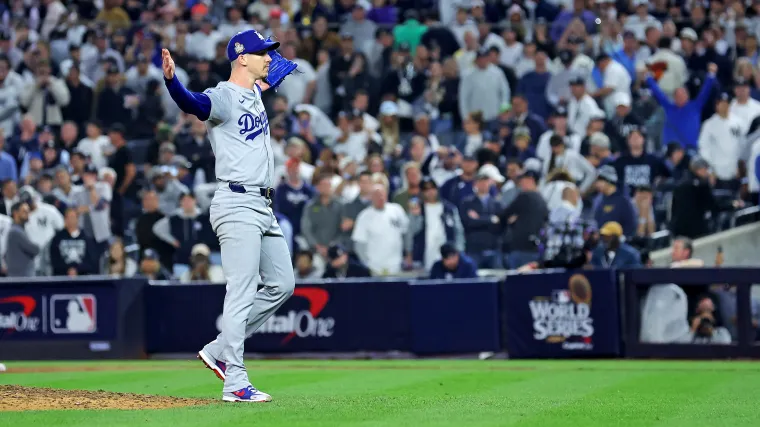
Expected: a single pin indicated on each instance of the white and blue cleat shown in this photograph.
(219, 367)
(248, 394)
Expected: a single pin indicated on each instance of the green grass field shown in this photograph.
(415, 393)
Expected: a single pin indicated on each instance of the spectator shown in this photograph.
(115, 102)
(682, 117)
(79, 108)
(612, 252)
(521, 116)
(144, 228)
(184, 228)
(298, 88)
(151, 268)
(72, 253)
(559, 127)
(10, 84)
(579, 168)
(340, 265)
(669, 67)
(9, 196)
(8, 168)
(479, 213)
(622, 122)
(126, 190)
(411, 185)
(431, 224)
(677, 161)
(639, 168)
(292, 195)
(95, 145)
(453, 265)
(612, 80)
(350, 210)
(639, 22)
(581, 107)
(201, 44)
(361, 29)
(533, 85)
(44, 221)
(379, 234)
(743, 107)
(485, 89)
(116, 263)
(320, 223)
(692, 201)
(553, 189)
(613, 204)
(599, 150)
(93, 203)
(20, 251)
(721, 144)
(566, 17)
(304, 266)
(522, 221)
(568, 210)
(460, 186)
(642, 199)
(201, 268)
(6, 222)
(45, 97)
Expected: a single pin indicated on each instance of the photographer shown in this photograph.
(613, 252)
(45, 97)
(201, 268)
(704, 329)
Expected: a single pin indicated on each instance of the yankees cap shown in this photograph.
(250, 41)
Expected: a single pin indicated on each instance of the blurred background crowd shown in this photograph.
(431, 136)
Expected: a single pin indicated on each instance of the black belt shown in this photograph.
(266, 192)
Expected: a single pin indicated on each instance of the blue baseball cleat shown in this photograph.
(219, 367)
(248, 394)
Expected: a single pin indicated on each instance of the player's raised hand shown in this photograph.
(168, 64)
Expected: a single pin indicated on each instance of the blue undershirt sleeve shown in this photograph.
(197, 104)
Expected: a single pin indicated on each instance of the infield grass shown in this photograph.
(417, 394)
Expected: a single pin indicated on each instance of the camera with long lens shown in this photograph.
(564, 245)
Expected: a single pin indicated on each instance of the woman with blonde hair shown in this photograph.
(556, 183)
(389, 127)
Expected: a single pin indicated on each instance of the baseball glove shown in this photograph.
(279, 68)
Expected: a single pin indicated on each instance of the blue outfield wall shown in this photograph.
(586, 313)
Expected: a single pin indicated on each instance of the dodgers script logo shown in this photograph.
(73, 314)
(253, 125)
(565, 316)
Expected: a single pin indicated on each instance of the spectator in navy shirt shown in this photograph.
(521, 116)
(533, 87)
(453, 265)
(292, 195)
(676, 161)
(638, 168)
(613, 204)
(459, 187)
(482, 229)
(340, 265)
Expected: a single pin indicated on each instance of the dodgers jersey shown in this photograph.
(238, 129)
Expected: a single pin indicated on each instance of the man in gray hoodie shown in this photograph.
(20, 251)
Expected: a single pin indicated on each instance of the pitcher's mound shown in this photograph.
(17, 398)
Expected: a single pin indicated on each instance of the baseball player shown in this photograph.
(250, 237)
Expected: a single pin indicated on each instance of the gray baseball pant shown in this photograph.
(251, 243)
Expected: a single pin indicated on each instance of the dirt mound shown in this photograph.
(17, 398)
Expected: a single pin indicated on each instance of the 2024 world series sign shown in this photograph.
(556, 315)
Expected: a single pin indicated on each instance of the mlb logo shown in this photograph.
(73, 314)
(561, 297)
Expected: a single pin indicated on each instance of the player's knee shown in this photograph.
(288, 285)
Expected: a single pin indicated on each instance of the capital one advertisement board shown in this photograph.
(64, 312)
(334, 316)
(556, 315)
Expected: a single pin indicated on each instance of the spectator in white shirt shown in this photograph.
(579, 168)
(743, 107)
(378, 234)
(639, 22)
(512, 50)
(559, 126)
(581, 107)
(615, 80)
(202, 43)
(720, 143)
(356, 138)
(96, 146)
(299, 87)
(462, 24)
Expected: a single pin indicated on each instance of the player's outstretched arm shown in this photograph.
(197, 104)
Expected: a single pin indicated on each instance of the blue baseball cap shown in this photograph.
(250, 41)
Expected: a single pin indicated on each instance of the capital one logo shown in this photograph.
(19, 317)
(299, 323)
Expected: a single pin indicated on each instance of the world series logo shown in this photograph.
(565, 315)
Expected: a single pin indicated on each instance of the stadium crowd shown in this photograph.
(439, 135)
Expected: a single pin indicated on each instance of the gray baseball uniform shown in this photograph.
(249, 235)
